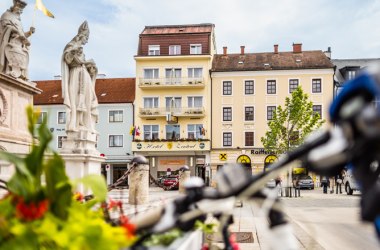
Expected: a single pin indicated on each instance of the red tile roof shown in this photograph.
(271, 61)
(116, 90)
(178, 29)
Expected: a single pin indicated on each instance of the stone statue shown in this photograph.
(14, 44)
(78, 84)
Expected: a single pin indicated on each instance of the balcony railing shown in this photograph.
(182, 111)
(173, 82)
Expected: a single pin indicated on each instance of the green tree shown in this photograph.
(291, 124)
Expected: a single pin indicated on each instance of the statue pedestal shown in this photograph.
(81, 156)
(80, 165)
(15, 96)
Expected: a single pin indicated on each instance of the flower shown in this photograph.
(129, 227)
(32, 210)
(78, 196)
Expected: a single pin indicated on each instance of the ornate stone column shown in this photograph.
(15, 96)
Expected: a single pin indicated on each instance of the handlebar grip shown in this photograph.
(147, 219)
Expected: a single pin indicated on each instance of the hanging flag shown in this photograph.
(203, 131)
(132, 130)
(40, 6)
(137, 131)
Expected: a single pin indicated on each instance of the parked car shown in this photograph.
(349, 182)
(303, 181)
(170, 180)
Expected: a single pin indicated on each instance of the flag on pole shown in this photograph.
(132, 131)
(137, 131)
(40, 6)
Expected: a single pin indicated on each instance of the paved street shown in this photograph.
(320, 221)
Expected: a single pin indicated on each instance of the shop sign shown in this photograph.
(261, 151)
(171, 146)
(223, 157)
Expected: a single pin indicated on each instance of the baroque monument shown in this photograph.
(15, 89)
(78, 92)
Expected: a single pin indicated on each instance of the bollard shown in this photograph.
(184, 175)
(139, 181)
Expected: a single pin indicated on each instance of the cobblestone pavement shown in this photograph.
(332, 221)
(319, 221)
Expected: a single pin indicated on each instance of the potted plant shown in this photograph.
(41, 210)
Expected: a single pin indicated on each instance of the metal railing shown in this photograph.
(181, 111)
(172, 81)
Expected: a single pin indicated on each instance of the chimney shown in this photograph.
(224, 51)
(328, 52)
(242, 50)
(275, 48)
(297, 47)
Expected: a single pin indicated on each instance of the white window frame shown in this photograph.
(42, 116)
(320, 115)
(155, 73)
(227, 81)
(232, 137)
(275, 108)
(223, 113)
(149, 129)
(292, 79)
(154, 50)
(275, 85)
(316, 78)
(61, 120)
(174, 50)
(245, 84)
(194, 128)
(59, 140)
(245, 138)
(249, 106)
(193, 72)
(117, 115)
(196, 49)
(154, 99)
(192, 103)
(115, 146)
(173, 125)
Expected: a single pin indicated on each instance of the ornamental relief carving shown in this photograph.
(3, 107)
(226, 126)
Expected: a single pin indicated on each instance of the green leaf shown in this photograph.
(97, 184)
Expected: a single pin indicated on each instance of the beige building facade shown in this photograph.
(247, 88)
(172, 104)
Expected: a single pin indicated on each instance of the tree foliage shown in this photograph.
(291, 123)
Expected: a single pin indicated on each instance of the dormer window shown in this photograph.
(154, 50)
(175, 50)
(195, 49)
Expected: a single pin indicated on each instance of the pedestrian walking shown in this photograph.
(338, 181)
(331, 183)
(324, 184)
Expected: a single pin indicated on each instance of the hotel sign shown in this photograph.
(171, 146)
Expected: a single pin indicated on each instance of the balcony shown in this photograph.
(175, 82)
(179, 112)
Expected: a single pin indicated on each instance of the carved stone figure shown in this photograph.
(78, 84)
(14, 44)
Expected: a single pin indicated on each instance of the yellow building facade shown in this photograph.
(246, 89)
(172, 104)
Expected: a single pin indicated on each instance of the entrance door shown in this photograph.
(200, 171)
(118, 172)
(245, 161)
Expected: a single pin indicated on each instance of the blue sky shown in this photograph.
(350, 27)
